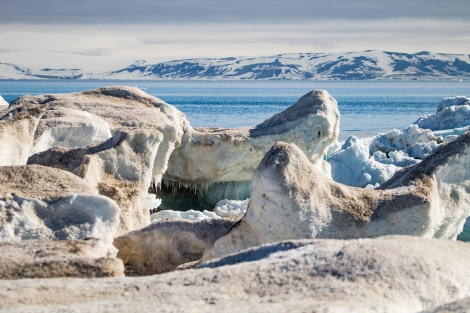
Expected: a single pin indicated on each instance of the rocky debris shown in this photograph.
(146, 131)
(38, 202)
(212, 155)
(48, 259)
(166, 244)
(291, 199)
(389, 274)
(17, 129)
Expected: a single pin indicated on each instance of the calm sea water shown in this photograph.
(366, 107)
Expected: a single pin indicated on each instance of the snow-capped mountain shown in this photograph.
(12, 71)
(365, 65)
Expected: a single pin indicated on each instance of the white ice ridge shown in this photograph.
(213, 155)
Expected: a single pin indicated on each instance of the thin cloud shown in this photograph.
(91, 52)
(241, 11)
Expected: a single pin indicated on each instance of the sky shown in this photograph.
(102, 35)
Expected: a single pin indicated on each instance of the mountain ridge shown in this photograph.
(364, 65)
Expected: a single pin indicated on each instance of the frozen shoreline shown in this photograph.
(284, 238)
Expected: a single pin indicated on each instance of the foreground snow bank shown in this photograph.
(388, 274)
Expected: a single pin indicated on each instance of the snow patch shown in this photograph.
(152, 202)
(3, 103)
(224, 208)
(231, 208)
(188, 215)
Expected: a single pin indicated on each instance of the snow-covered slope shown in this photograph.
(370, 64)
(12, 71)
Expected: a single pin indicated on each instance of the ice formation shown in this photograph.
(224, 208)
(165, 244)
(388, 274)
(47, 203)
(291, 199)
(371, 161)
(190, 214)
(59, 258)
(115, 168)
(451, 113)
(3, 103)
(17, 129)
(415, 142)
(208, 156)
(123, 109)
(352, 164)
(120, 139)
(69, 128)
(152, 202)
(364, 162)
(231, 208)
(145, 131)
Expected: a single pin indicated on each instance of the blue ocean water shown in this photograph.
(366, 107)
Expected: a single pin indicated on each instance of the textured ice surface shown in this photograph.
(451, 113)
(78, 216)
(230, 208)
(371, 161)
(188, 215)
(69, 128)
(152, 202)
(465, 235)
(224, 208)
(354, 166)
